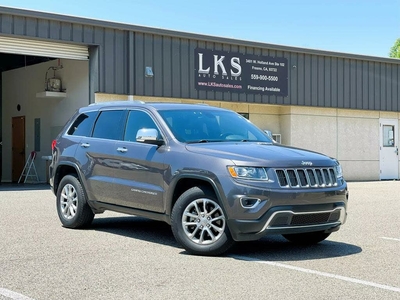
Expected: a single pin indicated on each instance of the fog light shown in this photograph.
(247, 202)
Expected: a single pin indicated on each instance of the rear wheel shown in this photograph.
(72, 207)
(199, 223)
(308, 238)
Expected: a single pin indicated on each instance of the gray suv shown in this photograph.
(210, 173)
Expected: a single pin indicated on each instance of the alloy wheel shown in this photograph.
(69, 201)
(203, 221)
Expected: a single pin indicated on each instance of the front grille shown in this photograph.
(287, 219)
(306, 178)
(309, 219)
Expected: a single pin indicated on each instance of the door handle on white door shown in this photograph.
(122, 149)
(397, 150)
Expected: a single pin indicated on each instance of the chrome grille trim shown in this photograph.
(306, 177)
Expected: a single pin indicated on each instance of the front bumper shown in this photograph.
(285, 211)
(289, 220)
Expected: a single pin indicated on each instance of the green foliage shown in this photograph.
(395, 50)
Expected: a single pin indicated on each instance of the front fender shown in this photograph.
(187, 179)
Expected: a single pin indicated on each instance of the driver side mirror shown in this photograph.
(149, 136)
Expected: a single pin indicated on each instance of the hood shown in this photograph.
(262, 154)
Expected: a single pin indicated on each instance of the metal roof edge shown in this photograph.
(186, 35)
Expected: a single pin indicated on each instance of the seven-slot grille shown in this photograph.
(306, 178)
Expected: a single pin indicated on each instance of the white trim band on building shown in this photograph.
(43, 48)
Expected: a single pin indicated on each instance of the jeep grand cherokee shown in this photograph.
(210, 173)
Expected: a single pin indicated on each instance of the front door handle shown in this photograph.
(397, 150)
(122, 149)
(85, 145)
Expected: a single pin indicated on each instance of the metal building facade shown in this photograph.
(119, 54)
(315, 79)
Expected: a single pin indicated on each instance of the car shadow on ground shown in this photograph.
(277, 248)
(138, 228)
(270, 248)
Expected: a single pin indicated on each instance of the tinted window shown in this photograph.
(137, 120)
(83, 124)
(211, 125)
(108, 125)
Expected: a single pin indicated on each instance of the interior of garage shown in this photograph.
(9, 62)
(25, 96)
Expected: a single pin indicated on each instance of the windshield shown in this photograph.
(197, 126)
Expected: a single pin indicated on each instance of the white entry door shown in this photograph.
(389, 150)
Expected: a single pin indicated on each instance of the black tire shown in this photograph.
(308, 238)
(199, 223)
(72, 207)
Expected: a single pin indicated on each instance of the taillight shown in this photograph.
(53, 144)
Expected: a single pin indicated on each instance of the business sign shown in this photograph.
(240, 73)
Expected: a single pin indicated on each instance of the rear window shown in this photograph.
(83, 124)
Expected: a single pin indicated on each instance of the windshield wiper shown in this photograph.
(198, 141)
(237, 141)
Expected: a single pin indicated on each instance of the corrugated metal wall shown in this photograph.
(314, 80)
(119, 57)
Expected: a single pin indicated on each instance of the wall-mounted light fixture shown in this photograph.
(148, 72)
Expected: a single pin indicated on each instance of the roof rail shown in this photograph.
(115, 102)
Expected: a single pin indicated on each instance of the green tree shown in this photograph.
(395, 50)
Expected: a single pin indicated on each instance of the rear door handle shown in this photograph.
(85, 145)
(122, 149)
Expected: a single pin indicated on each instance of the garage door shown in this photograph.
(42, 48)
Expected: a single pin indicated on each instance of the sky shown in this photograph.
(366, 27)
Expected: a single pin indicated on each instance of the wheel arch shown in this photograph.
(184, 183)
(65, 168)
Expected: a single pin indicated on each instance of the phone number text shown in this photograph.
(264, 77)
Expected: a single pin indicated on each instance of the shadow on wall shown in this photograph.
(1, 129)
(1, 156)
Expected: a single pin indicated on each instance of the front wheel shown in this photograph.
(308, 238)
(72, 207)
(199, 223)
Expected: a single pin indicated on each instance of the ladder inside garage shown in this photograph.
(29, 171)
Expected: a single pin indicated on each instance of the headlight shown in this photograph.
(339, 173)
(248, 172)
